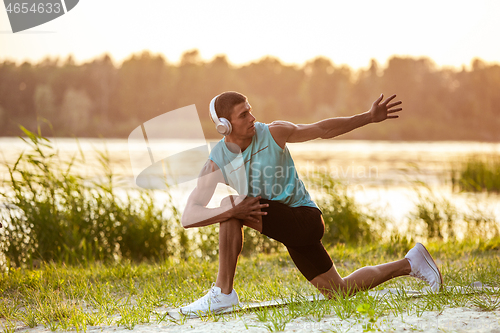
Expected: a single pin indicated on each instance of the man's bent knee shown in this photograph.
(330, 283)
(232, 200)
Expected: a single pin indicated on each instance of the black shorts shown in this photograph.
(300, 229)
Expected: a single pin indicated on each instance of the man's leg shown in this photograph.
(230, 245)
(364, 278)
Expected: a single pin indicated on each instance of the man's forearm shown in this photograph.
(336, 126)
(198, 216)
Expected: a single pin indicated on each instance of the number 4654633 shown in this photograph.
(35, 8)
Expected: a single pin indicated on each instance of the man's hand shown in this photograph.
(380, 111)
(244, 208)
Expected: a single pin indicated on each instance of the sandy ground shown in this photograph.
(449, 320)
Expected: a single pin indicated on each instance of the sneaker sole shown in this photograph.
(430, 261)
(205, 313)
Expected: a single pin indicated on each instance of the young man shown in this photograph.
(254, 160)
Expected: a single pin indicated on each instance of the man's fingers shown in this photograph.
(257, 205)
(257, 208)
(252, 219)
(378, 99)
(251, 200)
(257, 212)
(256, 199)
(394, 110)
(389, 99)
(390, 117)
(393, 104)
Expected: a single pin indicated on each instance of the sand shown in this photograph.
(449, 320)
(458, 319)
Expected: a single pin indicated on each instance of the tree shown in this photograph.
(44, 102)
(76, 109)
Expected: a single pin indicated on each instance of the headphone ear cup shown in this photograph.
(224, 127)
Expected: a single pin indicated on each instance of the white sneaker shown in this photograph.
(214, 301)
(423, 267)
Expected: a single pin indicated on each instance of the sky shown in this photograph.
(451, 33)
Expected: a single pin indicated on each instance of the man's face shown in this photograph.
(242, 120)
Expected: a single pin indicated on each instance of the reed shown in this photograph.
(477, 174)
(346, 221)
(53, 214)
(438, 218)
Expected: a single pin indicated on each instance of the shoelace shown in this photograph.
(421, 277)
(210, 297)
(214, 295)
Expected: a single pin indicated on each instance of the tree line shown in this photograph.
(99, 98)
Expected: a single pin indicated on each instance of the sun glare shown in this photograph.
(352, 33)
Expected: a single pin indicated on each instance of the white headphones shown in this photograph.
(222, 125)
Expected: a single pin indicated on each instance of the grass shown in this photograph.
(477, 174)
(128, 294)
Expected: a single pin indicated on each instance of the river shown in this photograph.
(379, 174)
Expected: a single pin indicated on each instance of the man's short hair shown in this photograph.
(226, 101)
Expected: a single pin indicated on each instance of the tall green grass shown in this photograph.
(477, 174)
(346, 221)
(439, 218)
(53, 214)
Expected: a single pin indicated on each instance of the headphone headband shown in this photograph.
(222, 125)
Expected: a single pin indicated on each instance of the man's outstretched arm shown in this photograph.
(283, 131)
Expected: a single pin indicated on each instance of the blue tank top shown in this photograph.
(262, 169)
